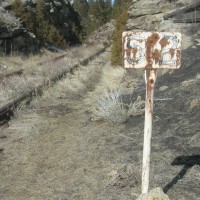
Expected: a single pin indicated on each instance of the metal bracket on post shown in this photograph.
(150, 79)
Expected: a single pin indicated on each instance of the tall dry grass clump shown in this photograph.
(110, 107)
(106, 101)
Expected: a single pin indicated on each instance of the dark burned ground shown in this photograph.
(68, 157)
(176, 130)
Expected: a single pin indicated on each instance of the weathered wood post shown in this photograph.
(150, 51)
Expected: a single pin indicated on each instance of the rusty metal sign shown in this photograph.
(151, 50)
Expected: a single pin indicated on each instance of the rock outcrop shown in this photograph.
(13, 35)
(148, 15)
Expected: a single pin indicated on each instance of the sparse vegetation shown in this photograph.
(106, 102)
(110, 107)
(36, 75)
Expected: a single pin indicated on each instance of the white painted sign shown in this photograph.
(151, 50)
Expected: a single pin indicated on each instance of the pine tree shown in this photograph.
(40, 22)
(81, 6)
(46, 31)
(18, 7)
(116, 57)
(105, 10)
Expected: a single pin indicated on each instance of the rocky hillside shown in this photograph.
(14, 36)
(152, 15)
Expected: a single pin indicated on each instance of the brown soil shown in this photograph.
(61, 154)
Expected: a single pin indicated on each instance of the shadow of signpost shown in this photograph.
(187, 162)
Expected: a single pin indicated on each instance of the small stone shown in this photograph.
(163, 88)
(155, 194)
(194, 47)
(57, 3)
(195, 140)
(52, 10)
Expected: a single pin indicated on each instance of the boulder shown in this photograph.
(146, 22)
(147, 15)
(148, 7)
(14, 37)
(10, 26)
(183, 2)
(62, 14)
(6, 4)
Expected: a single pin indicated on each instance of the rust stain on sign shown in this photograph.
(151, 50)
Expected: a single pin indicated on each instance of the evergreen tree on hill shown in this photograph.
(81, 6)
(120, 12)
(93, 13)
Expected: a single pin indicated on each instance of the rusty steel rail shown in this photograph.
(53, 59)
(18, 73)
(13, 104)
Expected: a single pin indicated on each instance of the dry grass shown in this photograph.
(110, 107)
(105, 85)
(79, 83)
(105, 102)
(35, 75)
(73, 55)
(15, 87)
(27, 124)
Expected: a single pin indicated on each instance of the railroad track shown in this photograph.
(15, 73)
(20, 72)
(7, 111)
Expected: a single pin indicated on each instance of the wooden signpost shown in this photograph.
(150, 51)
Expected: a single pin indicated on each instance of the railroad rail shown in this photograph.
(7, 111)
(18, 73)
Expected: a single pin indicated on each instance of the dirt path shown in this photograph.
(64, 160)
(56, 152)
